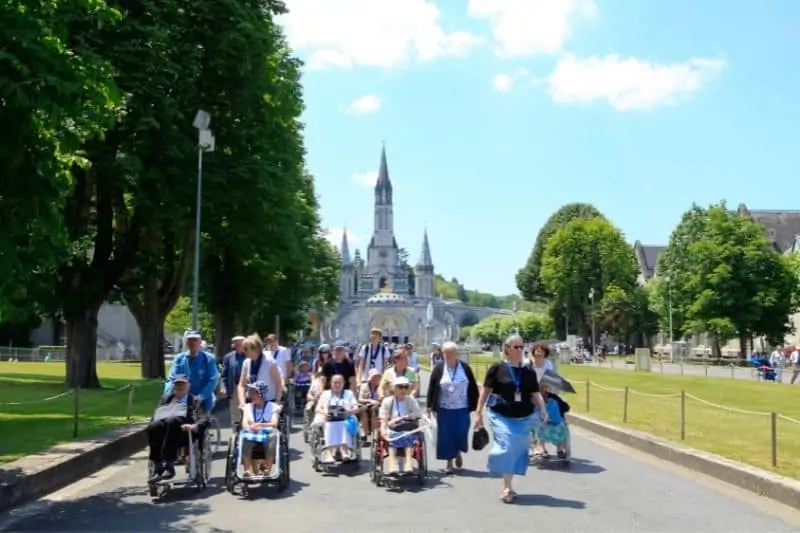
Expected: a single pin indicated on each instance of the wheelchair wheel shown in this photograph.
(285, 474)
(199, 467)
(230, 465)
(214, 434)
(422, 462)
(373, 460)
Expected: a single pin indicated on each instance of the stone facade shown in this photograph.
(377, 292)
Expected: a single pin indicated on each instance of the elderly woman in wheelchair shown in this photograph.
(399, 415)
(335, 420)
(555, 431)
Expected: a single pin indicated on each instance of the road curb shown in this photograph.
(761, 482)
(37, 475)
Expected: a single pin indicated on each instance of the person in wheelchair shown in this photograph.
(302, 383)
(260, 420)
(178, 413)
(555, 430)
(369, 394)
(334, 407)
(399, 414)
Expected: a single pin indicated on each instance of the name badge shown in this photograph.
(517, 396)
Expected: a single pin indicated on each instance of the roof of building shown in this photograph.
(386, 298)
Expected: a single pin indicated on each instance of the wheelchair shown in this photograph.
(547, 459)
(318, 445)
(197, 455)
(308, 421)
(299, 392)
(278, 478)
(379, 451)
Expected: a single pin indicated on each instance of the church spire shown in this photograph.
(383, 187)
(345, 249)
(425, 259)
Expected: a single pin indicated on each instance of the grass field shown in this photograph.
(33, 427)
(730, 418)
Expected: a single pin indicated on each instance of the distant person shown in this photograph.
(232, 365)
(339, 365)
(280, 354)
(374, 354)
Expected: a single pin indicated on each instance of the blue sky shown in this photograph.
(497, 112)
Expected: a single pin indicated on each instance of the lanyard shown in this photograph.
(255, 366)
(514, 376)
(261, 417)
(453, 373)
(372, 393)
(397, 408)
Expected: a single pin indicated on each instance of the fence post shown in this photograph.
(773, 435)
(681, 368)
(625, 406)
(588, 386)
(129, 410)
(662, 367)
(706, 370)
(77, 414)
(683, 414)
(733, 370)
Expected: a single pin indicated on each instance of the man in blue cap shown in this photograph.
(199, 366)
(339, 365)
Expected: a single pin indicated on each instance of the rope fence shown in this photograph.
(98, 397)
(685, 400)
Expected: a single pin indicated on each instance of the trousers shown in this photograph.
(166, 438)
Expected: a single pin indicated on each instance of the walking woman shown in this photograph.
(452, 396)
(510, 393)
(540, 361)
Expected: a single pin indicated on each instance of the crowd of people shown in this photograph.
(376, 384)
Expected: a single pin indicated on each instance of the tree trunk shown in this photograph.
(82, 349)
(225, 329)
(150, 319)
(742, 348)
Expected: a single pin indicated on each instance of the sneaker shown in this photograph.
(169, 471)
(157, 473)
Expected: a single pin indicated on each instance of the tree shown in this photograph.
(469, 319)
(179, 319)
(494, 329)
(724, 278)
(528, 278)
(55, 94)
(585, 254)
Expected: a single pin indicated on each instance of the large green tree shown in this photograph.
(724, 278)
(54, 94)
(586, 254)
(529, 281)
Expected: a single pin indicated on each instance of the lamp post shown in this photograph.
(205, 143)
(668, 279)
(591, 297)
(566, 322)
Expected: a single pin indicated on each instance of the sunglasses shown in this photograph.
(517, 347)
(404, 387)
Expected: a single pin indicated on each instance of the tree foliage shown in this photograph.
(494, 329)
(589, 254)
(724, 278)
(528, 278)
(100, 170)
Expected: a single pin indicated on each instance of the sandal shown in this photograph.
(508, 496)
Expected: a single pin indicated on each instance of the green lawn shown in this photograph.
(740, 431)
(34, 427)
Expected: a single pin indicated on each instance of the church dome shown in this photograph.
(386, 298)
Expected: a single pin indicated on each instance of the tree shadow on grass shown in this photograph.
(125, 509)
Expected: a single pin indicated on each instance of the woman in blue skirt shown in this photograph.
(452, 396)
(510, 393)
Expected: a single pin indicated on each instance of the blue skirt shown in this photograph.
(512, 438)
(452, 435)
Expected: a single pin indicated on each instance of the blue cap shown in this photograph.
(339, 346)
(324, 347)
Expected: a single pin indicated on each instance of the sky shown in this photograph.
(495, 113)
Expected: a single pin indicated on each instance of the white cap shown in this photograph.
(237, 338)
(372, 373)
(401, 380)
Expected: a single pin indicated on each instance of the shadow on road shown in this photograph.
(543, 500)
(114, 511)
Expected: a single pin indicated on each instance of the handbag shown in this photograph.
(171, 410)
(480, 439)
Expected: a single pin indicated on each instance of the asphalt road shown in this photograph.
(727, 372)
(608, 489)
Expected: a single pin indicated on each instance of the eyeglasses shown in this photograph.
(516, 347)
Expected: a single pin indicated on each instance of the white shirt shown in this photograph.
(795, 357)
(413, 361)
(344, 399)
(377, 354)
(263, 375)
(777, 359)
(282, 356)
(547, 364)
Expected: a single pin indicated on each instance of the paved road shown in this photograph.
(726, 372)
(609, 489)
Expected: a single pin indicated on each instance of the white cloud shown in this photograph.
(505, 82)
(347, 33)
(367, 179)
(334, 236)
(629, 84)
(502, 83)
(527, 27)
(369, 103)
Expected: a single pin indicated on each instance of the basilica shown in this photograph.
(384, 291)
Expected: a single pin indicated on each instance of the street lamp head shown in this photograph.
(202, 120)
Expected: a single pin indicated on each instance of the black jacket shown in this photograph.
(436, 377)
(194, 412)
